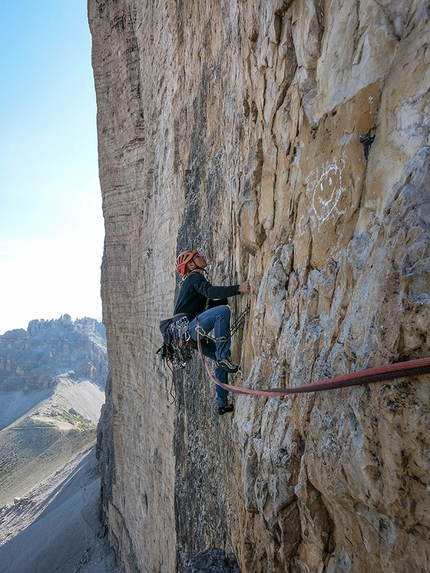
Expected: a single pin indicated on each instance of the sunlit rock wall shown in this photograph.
(289, 140)
(53, 350)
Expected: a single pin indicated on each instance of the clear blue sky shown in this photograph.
(51, 226)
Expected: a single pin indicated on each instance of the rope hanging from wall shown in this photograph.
(368, 376)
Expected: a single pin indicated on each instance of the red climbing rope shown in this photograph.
(378, 374)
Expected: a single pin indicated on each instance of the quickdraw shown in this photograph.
(178, 348)
(239, 320)
(180, 338)
(233, 329)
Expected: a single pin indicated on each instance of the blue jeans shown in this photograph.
(218, 320)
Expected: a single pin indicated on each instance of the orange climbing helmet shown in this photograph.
(184, 258)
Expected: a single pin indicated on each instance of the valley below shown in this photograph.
(49, 479)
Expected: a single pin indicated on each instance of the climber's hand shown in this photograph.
(245, 287)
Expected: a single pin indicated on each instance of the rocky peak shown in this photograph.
(34, 358)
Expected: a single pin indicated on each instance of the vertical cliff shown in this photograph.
(289, 141)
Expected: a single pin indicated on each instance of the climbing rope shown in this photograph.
(378, 374)
(233, 329)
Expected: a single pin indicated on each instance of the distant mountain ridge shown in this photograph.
(52, 379)
(48, 350)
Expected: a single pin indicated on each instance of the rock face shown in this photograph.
(288, 140)
(48, 350)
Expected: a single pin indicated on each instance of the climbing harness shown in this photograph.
(378, 374)
(179, 340)
(178, 348)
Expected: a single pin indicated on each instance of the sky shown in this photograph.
(51, 224)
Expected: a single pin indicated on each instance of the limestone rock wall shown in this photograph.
(51, 350)
(289, 141)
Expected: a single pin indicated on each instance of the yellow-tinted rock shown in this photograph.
(290, 142)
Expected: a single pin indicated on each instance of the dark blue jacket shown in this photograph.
(196, 291)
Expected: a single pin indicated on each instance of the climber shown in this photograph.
(206, 309)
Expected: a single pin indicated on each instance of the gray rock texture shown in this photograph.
(289, 141)
(48, 350)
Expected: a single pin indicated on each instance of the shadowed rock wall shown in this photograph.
(289, 140)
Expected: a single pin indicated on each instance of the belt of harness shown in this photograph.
(178, 348)
(181, 344)
(378, 374)
(180, 338)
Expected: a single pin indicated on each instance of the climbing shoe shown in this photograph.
(225, 409)
(227, 364)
